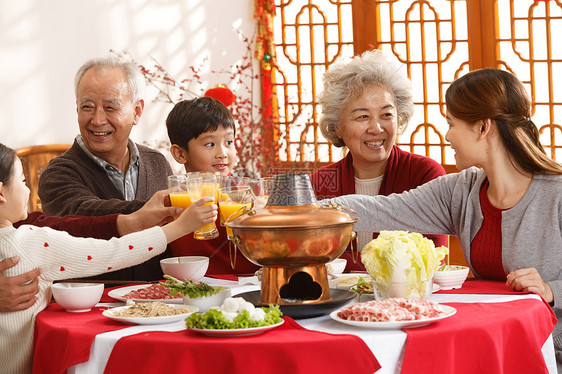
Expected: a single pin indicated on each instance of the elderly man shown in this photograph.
(104, 172)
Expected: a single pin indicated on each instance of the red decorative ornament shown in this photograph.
(222, 94)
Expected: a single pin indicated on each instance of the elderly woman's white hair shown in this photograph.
(135, 79)
(345, 81)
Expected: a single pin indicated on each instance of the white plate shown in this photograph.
(237, 332)
(118, 294)
(150, 320)
(354, 276)
(449, 310)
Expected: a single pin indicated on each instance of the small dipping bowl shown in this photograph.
(336, 266)
(185, 267)
(77, 297)
(451, 278)
(408, 290)
(206, 302)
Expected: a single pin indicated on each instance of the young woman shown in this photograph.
(61, 256)
(507, 213)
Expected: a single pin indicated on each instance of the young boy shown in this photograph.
(202, 133)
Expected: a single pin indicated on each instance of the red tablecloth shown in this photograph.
(288, 348)
(482, 287)
(63, 339)
(476, 343)
(295, 348)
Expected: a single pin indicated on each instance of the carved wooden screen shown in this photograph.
(436, 41)
(310, 35)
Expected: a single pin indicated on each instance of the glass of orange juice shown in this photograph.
(233, 201)
(179, 196)
(203, 184)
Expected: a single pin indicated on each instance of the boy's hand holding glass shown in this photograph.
(200, 213)
(203, 185)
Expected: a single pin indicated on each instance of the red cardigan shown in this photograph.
(103, 227)
(404, 171)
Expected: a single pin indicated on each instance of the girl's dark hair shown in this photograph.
(7, 160)
(191, 118)
(500, 96)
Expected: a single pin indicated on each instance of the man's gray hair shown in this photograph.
(345, 81)
(135, 79)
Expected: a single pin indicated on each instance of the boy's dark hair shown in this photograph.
(7, 160)
(191, 118)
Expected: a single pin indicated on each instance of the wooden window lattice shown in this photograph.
(436, 41)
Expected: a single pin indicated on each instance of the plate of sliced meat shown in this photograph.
(393, 313)
(144, 292)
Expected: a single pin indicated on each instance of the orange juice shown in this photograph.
(209, 226)
(180, 199)
(229, 210)
(207, 189)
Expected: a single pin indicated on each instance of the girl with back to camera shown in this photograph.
(61, 256)
(505, 206)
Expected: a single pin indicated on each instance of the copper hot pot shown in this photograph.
(292, 234)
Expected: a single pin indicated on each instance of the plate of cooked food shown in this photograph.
(150, 313)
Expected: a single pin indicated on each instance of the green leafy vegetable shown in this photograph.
(214, 319)
(399, 256)
(189, 287)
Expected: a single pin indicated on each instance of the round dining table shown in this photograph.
(493, 330)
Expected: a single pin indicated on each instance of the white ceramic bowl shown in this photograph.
(186, 267)
(207, 302)
(407, 290)
(336, 266)
(77, 297)
(452, 278)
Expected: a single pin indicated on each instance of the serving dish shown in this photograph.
(236, 332)
(118, 294)
(204, 303)
(109, 313)
(394, 325)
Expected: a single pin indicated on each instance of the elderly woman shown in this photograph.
(366, 104)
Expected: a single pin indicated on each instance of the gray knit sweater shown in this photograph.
(531, 230)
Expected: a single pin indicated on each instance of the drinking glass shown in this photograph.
(203, 184)
(231, 180)
(179, 196)
(233, 201)
(260, 188)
